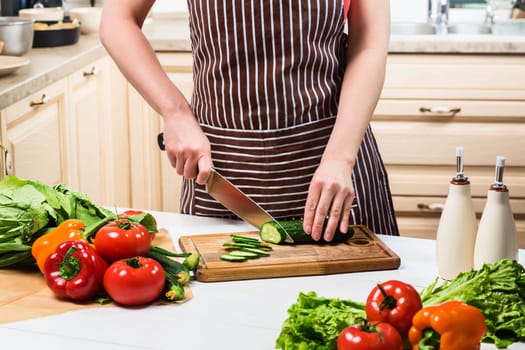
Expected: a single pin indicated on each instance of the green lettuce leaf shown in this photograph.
(497, 290)
(29, 208)
(314, 322)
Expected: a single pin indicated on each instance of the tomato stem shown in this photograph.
(124, 224)
(134, 262)
(389, 302)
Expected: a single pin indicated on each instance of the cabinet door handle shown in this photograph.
(6, 162)
(43, 100)
(91, 72)
(440, 110)
(435, 207)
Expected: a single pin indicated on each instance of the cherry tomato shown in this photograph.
(134, 281)
(381, 336)
(394, 302)
(121, 239)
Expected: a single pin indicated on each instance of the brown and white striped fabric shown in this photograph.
(267, 78)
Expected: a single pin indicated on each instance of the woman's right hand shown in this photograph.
(187, 148)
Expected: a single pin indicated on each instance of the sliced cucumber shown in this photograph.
(235, 258)
(242, 248)
(247, 245)
(244, 239)
(272, 232)
(259, 252)
(244, 253)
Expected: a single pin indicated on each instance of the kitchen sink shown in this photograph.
(503, 27)
(469, 28)
(412, 28)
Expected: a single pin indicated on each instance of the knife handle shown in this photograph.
(160, 141)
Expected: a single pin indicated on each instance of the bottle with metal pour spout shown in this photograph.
(496, 237)
(456, 235)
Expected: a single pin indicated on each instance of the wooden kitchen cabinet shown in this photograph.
(33, 136)
(97, 127)
(74, 131)
(155, 184)
(432, 103)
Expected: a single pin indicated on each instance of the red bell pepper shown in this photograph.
(75, 271)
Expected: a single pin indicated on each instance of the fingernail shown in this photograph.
(308, 229)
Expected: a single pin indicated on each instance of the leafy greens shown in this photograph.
(315, 322)
(29, 208)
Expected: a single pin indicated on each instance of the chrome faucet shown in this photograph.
(489, 13)
(438, 14)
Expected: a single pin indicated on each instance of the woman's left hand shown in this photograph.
(330, 195)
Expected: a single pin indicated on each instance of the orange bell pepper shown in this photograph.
(45, 245)
(459, 325)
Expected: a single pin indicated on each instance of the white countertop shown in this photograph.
(238, 315)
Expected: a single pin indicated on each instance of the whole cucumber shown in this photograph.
(272, 232)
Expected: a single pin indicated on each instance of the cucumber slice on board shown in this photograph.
(234, 258)
(244, 253)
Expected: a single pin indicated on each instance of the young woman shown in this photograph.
(281, 104)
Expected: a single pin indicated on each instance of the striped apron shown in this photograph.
(267, 78)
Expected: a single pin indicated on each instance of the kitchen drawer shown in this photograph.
(450, 111)
(433, 181)
(176, 62)
(455, 76)
(433, 206)
(428, 143)
(426, 227)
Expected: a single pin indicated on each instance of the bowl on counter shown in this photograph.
(56, 34)
(89, 18)
(43, 14)
(17, 35)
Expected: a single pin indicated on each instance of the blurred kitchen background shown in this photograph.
(402, 10)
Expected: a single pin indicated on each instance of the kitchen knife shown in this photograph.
(239, 203)
(232, 198)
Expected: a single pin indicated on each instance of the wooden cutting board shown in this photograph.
(364, 251)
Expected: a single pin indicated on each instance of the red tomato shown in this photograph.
(134, 281)
(394, 302)
(126, 214)
(121, 239)
(382, 336)
(129, 213)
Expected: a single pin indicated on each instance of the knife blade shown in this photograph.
(233, 199)
(226, 193)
